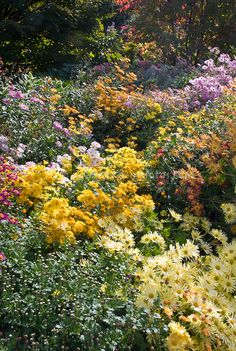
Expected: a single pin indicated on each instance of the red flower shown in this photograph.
(2, 257)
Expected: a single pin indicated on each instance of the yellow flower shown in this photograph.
(56, 293)
(179, 339)
(103, 288)
(219, 235)
(55, 98)
(68, 110)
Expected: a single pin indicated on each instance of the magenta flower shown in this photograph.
(6, 101)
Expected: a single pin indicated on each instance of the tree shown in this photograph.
(45, 33)
(184, 27)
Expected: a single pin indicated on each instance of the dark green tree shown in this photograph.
(185, 27)
(47, 33)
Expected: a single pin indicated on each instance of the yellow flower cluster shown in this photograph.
(196, 292)
(36, 182)
(126, 102)
(179, 339)
(122, 205)
(153, 238)
(107, 192)
(63, 222)
(128, 165)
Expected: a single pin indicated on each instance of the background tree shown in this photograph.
(46, 33)
(184, 27)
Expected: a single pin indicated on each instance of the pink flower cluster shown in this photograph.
(17, 95)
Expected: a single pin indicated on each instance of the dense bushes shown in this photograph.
(117, 210)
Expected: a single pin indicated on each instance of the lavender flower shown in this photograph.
(57, 126)
(4, 143)
(37, 100)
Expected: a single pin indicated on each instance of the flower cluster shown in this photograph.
(195, 293)
(8, 189)
(124, 107)
(125, 201)
(36, 182)
(100, 189)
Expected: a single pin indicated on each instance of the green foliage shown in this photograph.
(43, 34)
(66, 298)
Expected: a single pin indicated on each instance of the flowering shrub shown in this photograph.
(127, 114)
(194, 293)
(8, 189)
(36, 121)
(65, 299)
(124, 200)
(192, 160)
(106, 191)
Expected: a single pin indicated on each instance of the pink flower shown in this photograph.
(23, 107)
(35, 99)
(2, 257)
(16, 94)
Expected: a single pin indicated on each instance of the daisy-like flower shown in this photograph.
(206, 225)
(218, 266)
(229, 212)
(141, 302)
(206, 247)
(177, 272)
(148, 274)
(196, 302)
(189, 250)
(214, 278)
(153, 238)
(228, 284)
(150, 293)
(206, 287)
(135, 254)
(219, 235)
(196, 235)
(177, 217)
(179, 338)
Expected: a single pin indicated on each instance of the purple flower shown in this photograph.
(57, 126)
(66, 132)
(6, 101)
(224, 58)
(129, 103)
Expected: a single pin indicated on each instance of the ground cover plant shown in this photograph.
(118, 207)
